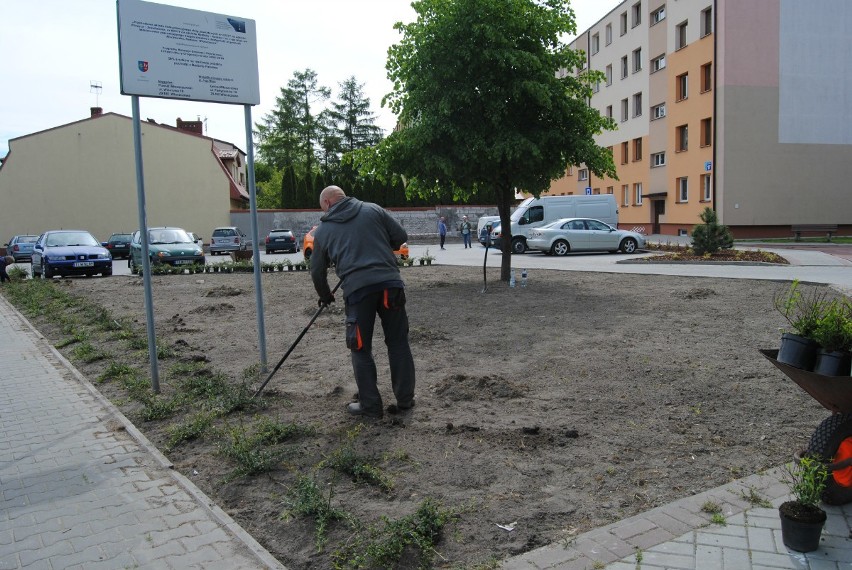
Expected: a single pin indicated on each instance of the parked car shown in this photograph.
(118, 245)
(69, 252)
(197, 239)
(308, 246)
(21, 247)
(172, 246)
(281, 240)
(582, 234)
(227, 239)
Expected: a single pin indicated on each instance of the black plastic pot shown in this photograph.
(799, 535)
(835, 363)
(798, 351)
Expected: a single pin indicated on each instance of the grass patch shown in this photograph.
(116, 370)
(711, 508)
(159, 407)
(193, 428)
(754, 498)
(361, 469)
(305, 499)
(251, 454)
(86, 352)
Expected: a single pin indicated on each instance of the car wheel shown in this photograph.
(519, 245)
(628, 245)
(834, 431)
(45, 270)
(107, 272)
(560, 247)
(308, 252)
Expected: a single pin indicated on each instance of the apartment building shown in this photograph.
(740, 106)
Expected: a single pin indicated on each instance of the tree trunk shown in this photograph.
(505, 199)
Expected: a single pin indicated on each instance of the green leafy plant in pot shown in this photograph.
(834, 335)
(803, 311)
(802, 519)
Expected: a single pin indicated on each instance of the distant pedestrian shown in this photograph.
(4, 263)
(465, 229)
(442, 230)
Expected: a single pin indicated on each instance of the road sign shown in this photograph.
(708, 166)
(588, 190)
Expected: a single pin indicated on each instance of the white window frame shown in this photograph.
(682, 138)
(625, 69)
(608, 34)
(682, 86)
(683, 189)
(658, 15)
(636, 12)
(637, 60)
(707, 187)
(583, 174)
(625, 191)
(681, 39)
(609, 111)
(596, 43)
(658, 111)
(608, 74)
(658, 63)
(706, 26)
(637, 193)
(623, 21)
(658, 159)
(625, 110)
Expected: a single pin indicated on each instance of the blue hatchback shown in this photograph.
(21, 247)
(69, 252)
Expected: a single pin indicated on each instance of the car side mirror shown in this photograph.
(522, 222)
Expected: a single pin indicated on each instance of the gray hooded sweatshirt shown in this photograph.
(358, 238)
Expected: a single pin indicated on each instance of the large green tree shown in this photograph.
(489, 97)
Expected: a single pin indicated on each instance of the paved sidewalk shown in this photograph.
(81, 488)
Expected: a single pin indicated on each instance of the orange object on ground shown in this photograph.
(843, 477)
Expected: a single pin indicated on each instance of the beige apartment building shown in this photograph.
(82, 175)
(742, 106)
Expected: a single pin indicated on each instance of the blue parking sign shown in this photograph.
(708, 166)
(588, 190)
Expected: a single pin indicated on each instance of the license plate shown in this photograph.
(183, 261)
(84, 264)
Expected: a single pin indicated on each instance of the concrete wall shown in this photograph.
(420, 223)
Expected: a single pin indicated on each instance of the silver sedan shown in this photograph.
(582, 234)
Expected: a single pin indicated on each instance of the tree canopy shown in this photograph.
(488, 96)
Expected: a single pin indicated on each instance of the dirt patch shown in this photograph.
(577, 401)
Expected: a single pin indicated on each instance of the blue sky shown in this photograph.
(53, 50)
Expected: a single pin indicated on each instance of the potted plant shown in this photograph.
(834, 334)
(802, 519)
(427, 258)
(803, 312)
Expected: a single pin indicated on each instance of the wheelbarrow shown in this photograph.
(832, 439)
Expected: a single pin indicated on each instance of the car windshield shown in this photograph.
(119, 237)
(170, 235)
(27, 239)
(65, 239)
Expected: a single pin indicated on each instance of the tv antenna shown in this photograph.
(96, 87)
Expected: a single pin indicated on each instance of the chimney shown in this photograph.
(96, 111)
(195, 127)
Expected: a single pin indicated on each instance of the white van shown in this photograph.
(536, 212)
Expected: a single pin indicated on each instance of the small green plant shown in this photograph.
(719, 519)
(117, 370)
(250, 454)
(834, 329)
(159, 407)
(193, 428)
(307, 500)
(17, 274)
(802, 310)
(86, 352)
(755, 499)
(807, 478)
(361, 469)
(711, 236)
(711, 507)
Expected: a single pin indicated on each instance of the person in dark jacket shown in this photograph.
(442, 230)
(4, 263)
(358, 239)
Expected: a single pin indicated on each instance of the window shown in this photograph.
(623, 20)
(706, 132)
(623, 110)
(658, 63)
(596, 87)
(637, 59)
(706, 191)
(706, 22)
(608, 34)
(596, 191)
(637, 104)
(636, 12)
(609, 189)
(658, 111)
(625, 158)
(706, 77)
(624, 67)
(608, 74)
(683, 189)
(609, 111)
(658, 159)
(625, 193)
(680, 36)
(682, 87)
(658, 15)
(596, 44)
(637, 149)
(637, 193)
(682, 138)
(583, 174)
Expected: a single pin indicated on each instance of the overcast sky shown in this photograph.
(51, 51)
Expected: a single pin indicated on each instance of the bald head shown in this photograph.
(330, 196)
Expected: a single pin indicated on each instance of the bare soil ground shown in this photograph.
(554, 409)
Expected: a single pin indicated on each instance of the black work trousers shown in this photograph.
(389, 305)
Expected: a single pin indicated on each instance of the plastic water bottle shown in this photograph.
(512, 278)
(524, 278)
